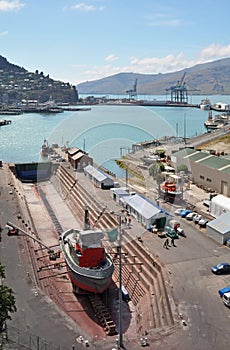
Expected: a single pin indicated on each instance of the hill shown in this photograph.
(16, 84)
(204, 79)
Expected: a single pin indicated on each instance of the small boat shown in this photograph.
(169, 187)
(219, 121)
(90, 268)
(169, 191)
(221, 107)
(205, 104)
(45, 149)
(5, 122)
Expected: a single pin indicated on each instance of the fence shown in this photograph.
(13, 338)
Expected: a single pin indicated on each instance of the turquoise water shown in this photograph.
(105, 132)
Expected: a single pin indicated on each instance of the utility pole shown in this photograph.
(185, 128)
(120, 323)
(120, 339)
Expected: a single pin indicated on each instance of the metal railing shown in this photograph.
(13, 338)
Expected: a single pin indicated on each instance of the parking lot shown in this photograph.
(195, 288)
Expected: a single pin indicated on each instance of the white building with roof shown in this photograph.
(219, 228)
(145, 211)
(219, 205)
(118, 193)
(98, 177)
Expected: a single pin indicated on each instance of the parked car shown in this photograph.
(190, 216)
(196, 218)
(226, 299)
(203, 222)
(178, 211)
(12, 232)
(185, 212)
(170, 232)
(224, 290)
(221, 268)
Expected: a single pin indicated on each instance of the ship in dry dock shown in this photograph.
(90, 268)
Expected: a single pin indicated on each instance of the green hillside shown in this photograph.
(16, 84)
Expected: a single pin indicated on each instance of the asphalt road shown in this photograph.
(195, 290)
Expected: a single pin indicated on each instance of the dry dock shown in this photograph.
(151, 307)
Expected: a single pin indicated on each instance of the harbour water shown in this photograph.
(105, 132)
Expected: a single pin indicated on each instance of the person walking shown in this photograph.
(166, 243)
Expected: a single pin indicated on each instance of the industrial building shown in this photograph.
(207, 170)
(78, 158)
(145, 211)
(219, 229)
(219, 205)
(98, 177)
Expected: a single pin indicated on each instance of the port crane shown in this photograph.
(133, 92)
(179, 93)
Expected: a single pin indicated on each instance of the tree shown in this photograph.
(7, 301)
(183, 167)
(155, 169)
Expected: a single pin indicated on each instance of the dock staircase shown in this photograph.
(142, 275)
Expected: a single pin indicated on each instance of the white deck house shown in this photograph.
(98, 178)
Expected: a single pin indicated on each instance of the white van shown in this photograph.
(226, 298)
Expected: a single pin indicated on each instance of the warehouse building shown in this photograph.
(78, 158)
(98, 177)
(207, 170)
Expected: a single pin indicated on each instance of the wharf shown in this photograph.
(76, 109)
(10, 112)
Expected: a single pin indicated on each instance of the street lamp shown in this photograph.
(120, 331)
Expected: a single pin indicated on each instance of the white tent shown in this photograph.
(219, 205)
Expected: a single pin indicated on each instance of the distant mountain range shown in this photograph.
(202, 79)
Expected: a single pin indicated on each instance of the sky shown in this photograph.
(77, 41)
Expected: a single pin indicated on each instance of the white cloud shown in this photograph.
(164, 23)
(165, 64)
(111, 58)
(4, 33)
(7, 6)
(215, 50)
(163, 19)
(81, 6)
(155, 65)
(98, 72)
